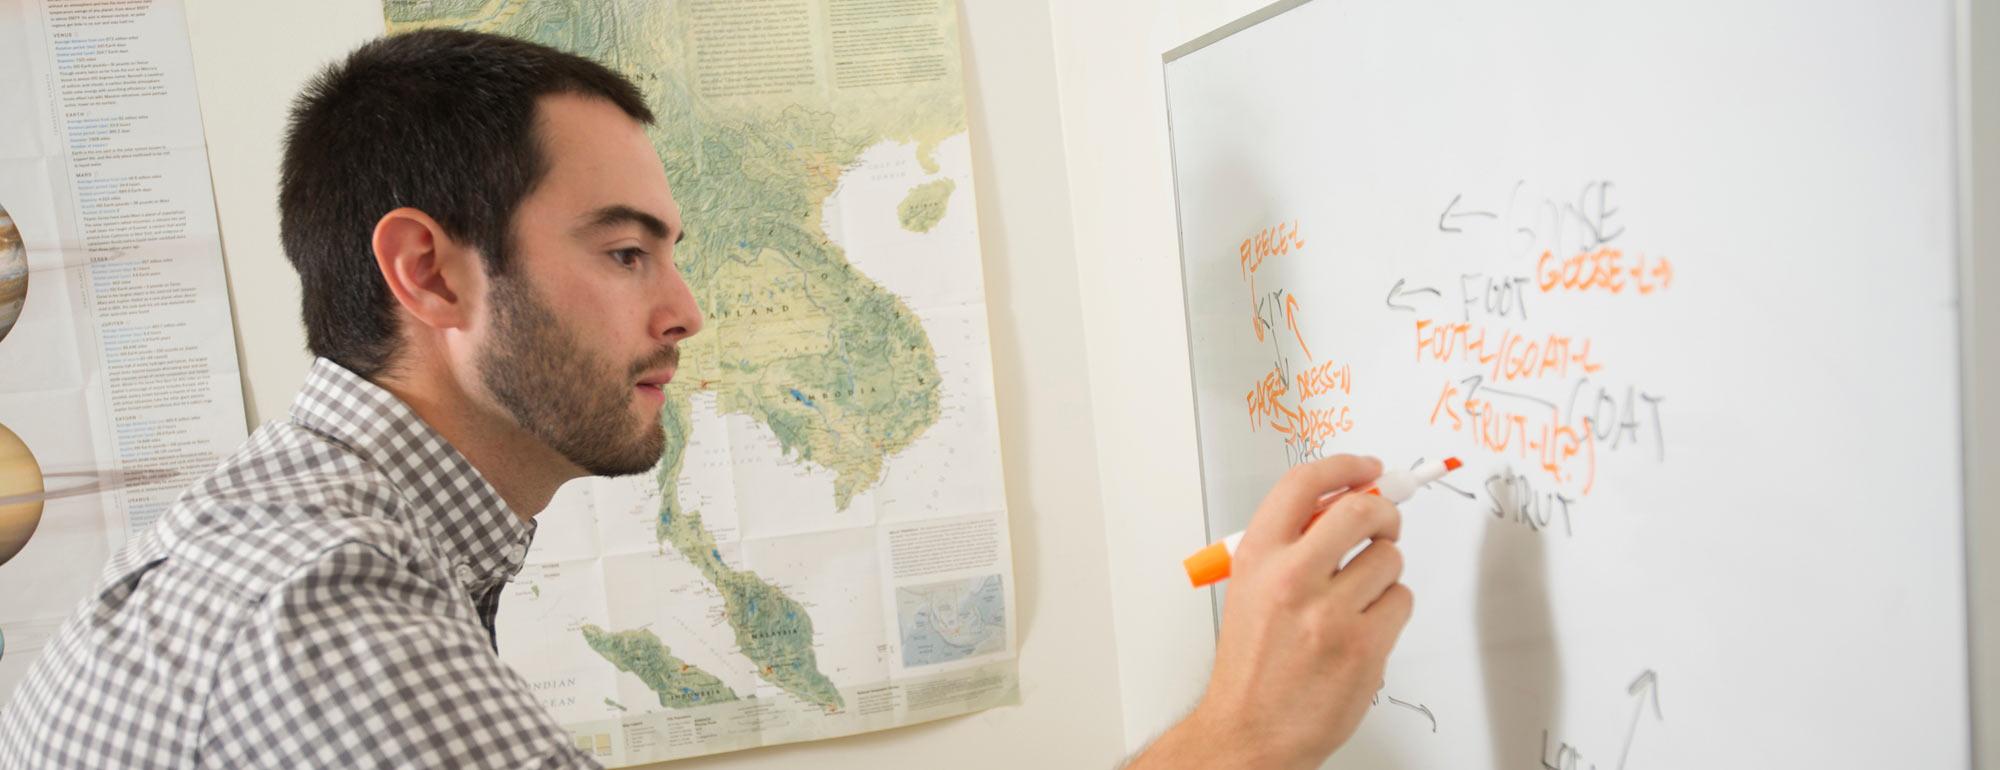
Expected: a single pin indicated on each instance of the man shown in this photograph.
(485, 240)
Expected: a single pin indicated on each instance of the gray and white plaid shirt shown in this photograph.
(324, 598)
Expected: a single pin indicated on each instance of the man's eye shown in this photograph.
(628, 257)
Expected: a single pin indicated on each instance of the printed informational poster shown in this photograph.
(118, 372)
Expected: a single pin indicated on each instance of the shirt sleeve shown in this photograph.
(363, 661)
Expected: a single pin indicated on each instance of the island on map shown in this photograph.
(924, 207)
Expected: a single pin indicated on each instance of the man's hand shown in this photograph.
(1303, 640)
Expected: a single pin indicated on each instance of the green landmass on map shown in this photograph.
(640, 653)
(772, 629)
(837, 367)
(924, 207)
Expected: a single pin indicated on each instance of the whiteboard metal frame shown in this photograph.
(1977, 39)
(1244, 22)
(1214, 36)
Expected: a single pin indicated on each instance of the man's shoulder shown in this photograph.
(288, 532)
(288, 470)
(285, 504)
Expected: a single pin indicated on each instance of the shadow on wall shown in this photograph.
(1518, 654)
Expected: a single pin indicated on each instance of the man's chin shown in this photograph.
(639, 460)
(619, 467)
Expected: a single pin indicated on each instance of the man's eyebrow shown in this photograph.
(621, 214)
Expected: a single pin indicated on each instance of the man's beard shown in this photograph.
(556, 390)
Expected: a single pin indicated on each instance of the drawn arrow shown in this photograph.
(1474, 383)
(1396, 291)
(1448, 215)
(1648, 684)
(1457, 491)
(1454, 490)
(1420, 708)
(1292, 320)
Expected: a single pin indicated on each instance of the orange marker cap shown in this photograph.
(1208, 565)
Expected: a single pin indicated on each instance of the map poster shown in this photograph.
(824, 548)
(118, 376)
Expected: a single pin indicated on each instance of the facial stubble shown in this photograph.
(559, 392)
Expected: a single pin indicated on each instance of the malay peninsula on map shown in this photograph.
(838, 368)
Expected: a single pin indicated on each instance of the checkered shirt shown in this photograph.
(324, 598)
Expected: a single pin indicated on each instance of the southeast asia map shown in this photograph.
(823, 550)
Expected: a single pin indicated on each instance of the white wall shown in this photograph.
(1121, 180)
(252, 55)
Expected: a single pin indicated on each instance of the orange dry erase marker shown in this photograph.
(1211, 564)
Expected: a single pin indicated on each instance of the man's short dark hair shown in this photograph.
(438, 120)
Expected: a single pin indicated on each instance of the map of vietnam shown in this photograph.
(837, 367)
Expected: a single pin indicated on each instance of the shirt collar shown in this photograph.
(454, 507)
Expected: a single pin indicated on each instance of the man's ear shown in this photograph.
(434, 277)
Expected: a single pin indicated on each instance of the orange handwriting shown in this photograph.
(1266, 401)
(1603, 269)
(1324, 379)
(1538, 434)
(1317, 426)
(1510, 354)
(1305, 427)
(1271, 241)
(1292, 321)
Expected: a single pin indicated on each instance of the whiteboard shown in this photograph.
(1676, 280)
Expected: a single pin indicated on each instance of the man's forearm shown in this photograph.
(1204, 741)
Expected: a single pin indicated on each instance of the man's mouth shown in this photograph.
(653, 381)
(656, 382)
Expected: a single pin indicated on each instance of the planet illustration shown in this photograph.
(20, 494)
(13, 273)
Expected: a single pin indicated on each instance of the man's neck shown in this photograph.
(523, 470)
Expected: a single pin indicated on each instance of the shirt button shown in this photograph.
(464, 574)
(516, 553)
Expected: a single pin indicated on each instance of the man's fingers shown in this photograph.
(1353, 518)
(1285, 511)
(1392, 609)
(1361, 583)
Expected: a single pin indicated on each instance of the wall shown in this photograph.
(250, 59)
(1121, 179)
